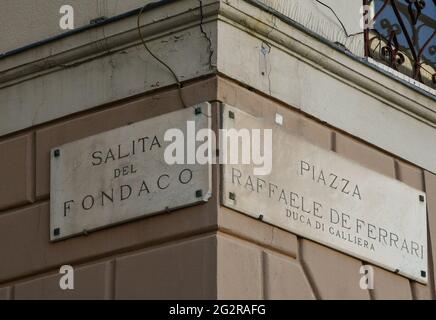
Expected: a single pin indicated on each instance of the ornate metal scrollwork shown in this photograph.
(404, 37)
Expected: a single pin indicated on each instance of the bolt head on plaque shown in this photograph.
(124, 174)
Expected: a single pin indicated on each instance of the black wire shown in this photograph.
(337, 17)
(176, 78)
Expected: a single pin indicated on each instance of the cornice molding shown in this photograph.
(411, 112)
(102, 40)
(307, 46)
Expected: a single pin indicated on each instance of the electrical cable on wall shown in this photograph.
(339, 20)
(176, 78)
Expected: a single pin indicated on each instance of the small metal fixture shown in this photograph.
(279, 119)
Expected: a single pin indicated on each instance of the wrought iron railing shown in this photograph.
(402, 35)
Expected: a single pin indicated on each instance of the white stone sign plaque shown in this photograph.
(121, 175)
(319, 195)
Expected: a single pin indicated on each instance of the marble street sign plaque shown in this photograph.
(322, 196)
(120, 175)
